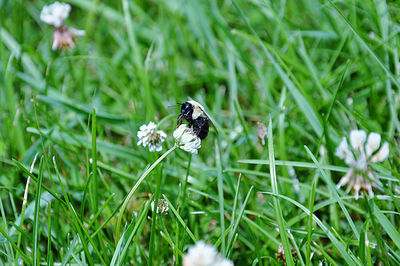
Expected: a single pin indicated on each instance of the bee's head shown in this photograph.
(186, 112)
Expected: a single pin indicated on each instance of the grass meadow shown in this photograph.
(310, 71)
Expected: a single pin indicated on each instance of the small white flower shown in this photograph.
(150, 136)
(359, 156)
(55, 14)
(186, 139)
(204, 255)
(162, 206)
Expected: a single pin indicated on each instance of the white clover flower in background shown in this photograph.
(64, 37)
(204, 255)
(359, 156)
(162, 206)
(55, 14)
(149, 136)
(186, 139)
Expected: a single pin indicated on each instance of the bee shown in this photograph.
(194, 113)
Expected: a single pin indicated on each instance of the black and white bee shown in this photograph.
(194, 113)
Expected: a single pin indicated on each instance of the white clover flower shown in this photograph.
(204, 255)
(359, 156)
(64, 37)
(186, 139)
(162, 206)
(55, 14)
(150, 136)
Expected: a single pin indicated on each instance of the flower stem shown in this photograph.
(185, 185)
(132, 191)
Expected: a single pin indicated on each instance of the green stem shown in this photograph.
(130, 194)
(185, 185)
(94, 162)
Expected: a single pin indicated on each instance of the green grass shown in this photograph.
(310, 71)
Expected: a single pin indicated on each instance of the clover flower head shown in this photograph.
(202, 254)
(149, 136)
(64, 38)
(55, 14)
(186, 139)
(162, 206)
(358, 156)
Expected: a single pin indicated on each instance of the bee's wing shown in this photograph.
(208, 116)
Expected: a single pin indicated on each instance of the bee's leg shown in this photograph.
(196, 130)
(180, 118)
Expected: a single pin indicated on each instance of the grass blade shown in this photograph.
(220, 194)
(232, 233)
(94, 163)
(387, 225)
(36, 232)
(277, 205)
(310, 221)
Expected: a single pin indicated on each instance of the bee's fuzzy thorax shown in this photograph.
(198, 110)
